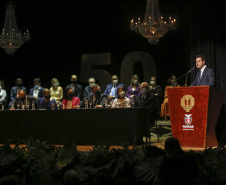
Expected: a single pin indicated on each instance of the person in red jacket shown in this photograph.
(71, 101)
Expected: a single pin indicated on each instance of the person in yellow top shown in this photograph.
(165, 110)
(56, 90)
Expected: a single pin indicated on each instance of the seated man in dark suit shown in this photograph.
(15, 90)
(97, 99)
(78, 90)
(205, 76)
(23, 101)
(111, 89)
(88, 89)
(37, 91)
(146, 99)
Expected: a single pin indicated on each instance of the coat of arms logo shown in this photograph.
(187, 102)
(188, 119)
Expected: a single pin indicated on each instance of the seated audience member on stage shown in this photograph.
(146, 99)
(89, 88)
(111, 89)
(134, 89)
(71, 101)
(165, 105)
(23, 101)
(37, 91)
(3, 97)
(78, 90)
(205, 75)
(15, 90)
(56, 91)
(157, 91)
(96, 99)
(46, 103)
(121, 101)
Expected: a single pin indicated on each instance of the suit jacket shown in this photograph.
(13, 92)
(148, 102)
(30, 99)
(99, 100)
(87, 91)
(78, 90)
(40, 92)
(108, 89)
(158, 98)
(207, 79)
(75, 101)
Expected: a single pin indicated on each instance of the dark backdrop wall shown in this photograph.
(208, 36)
(61, 31)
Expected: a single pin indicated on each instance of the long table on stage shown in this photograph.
(83, 126)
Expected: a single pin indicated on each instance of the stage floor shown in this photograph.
(159, 145)
(88, 148)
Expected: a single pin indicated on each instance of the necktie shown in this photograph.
(199, 78)
(113, 91)
(143, 98)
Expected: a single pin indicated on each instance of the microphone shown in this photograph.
(192, 69)
(186, 74)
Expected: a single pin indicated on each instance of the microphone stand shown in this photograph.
(186, 76)
(186, 80)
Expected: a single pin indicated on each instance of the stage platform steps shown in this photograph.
(160, 132)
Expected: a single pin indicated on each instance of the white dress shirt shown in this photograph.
(35, 92)
(202, 71)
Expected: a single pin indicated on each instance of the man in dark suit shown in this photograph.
(146, 99)
(15, 90)
(97, 98)
(205, 75)
(78, 90)
(37, 91)
(111, 89)
(23, 101)
(88, 89)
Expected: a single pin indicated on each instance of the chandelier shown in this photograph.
(153, 26)
(12, 39)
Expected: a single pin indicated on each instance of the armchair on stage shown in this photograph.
(193, 113)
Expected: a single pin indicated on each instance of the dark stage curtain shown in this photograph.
(208, 28)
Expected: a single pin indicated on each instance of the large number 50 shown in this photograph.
(128, 63)
(90, 63)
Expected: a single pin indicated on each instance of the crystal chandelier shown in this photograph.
(12, 39)
(153, 27)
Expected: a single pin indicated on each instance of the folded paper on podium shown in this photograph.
(193, 113)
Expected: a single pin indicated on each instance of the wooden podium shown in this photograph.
(193, 113)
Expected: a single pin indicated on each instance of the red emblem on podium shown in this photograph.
(188, 119)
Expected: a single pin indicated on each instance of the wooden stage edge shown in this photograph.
(87, 148)
(159, 145)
